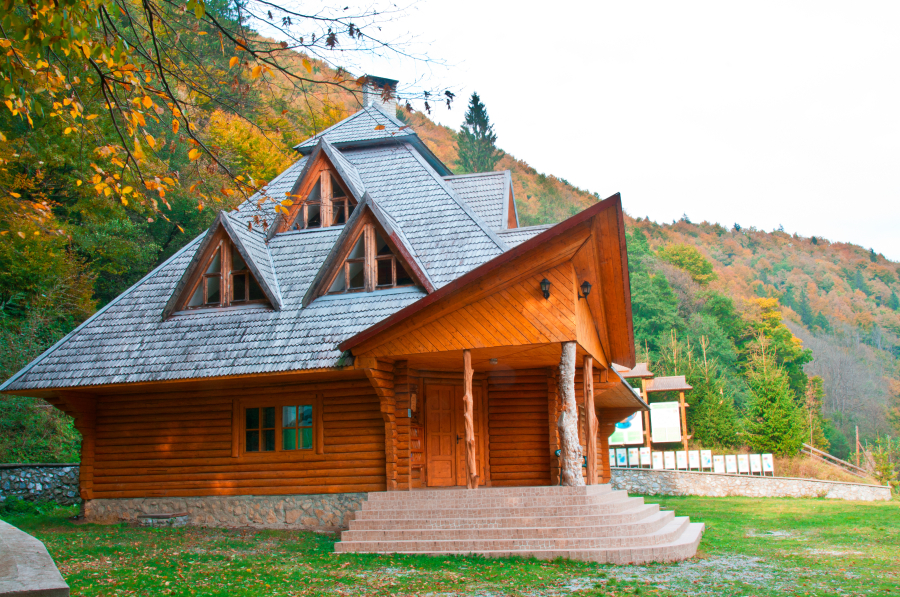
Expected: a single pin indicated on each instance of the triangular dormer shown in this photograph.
(371, 254)
(326, 193)
(230, 268)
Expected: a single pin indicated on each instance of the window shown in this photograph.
(216, 289)
(370, 265)
(297, 427)
(327, 204)
(286, 427)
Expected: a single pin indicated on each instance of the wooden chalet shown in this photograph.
(396, 331)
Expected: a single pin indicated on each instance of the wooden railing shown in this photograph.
(843, 465)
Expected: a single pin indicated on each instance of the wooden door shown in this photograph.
(480, 445)
(441, 405)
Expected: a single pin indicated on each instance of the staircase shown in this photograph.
(594, 523)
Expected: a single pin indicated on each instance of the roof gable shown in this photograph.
(367, 211)
(250, 245)
(369, 124)
(490, 195)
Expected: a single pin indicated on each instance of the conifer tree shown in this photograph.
(477, 141)
(893, 302)
(774, 422)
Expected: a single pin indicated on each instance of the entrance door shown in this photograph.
(440, 434)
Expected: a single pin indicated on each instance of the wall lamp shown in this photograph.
(585, 289)
(545, 288)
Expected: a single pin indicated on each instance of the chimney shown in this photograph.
(376, 88)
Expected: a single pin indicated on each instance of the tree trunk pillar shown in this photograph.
(570, 458)
(590, 420)
(469, 418)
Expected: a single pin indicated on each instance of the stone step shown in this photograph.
(457, 494)
(625, 516)
(668, 534)
(680, 548)
(646, 526)
(619, 504)
(485, 501)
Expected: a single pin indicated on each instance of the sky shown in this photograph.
(764, 114)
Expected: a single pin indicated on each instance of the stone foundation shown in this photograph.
(40, 482)
(325, 512)
(651, 482)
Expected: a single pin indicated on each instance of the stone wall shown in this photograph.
(654, 482)
(40, 482)
(324, 512)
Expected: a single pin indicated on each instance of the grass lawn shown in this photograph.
(751, 547)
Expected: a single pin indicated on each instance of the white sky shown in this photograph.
(763, 113)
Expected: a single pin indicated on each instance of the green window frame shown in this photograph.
(297, 427)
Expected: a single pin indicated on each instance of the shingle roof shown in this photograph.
(516, 236)
(486, 193)
(362, 126)
(129, 340)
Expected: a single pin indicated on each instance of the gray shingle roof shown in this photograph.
(487, 194)
(362, 126)
(516, 236)
(130, 341)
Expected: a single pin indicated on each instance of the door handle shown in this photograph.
(457, 439)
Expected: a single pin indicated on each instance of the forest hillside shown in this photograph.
(771, 328)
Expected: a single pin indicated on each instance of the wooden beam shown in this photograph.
(469, 418)
(684, 433)
(590, 420)
(570, 459)
(381, 376)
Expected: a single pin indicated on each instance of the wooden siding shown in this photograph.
(513, 316)
(180, 444)
(518, 435)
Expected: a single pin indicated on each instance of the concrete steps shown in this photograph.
(594, 523)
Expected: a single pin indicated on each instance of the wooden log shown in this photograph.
(570, 446)
(590, 420)
(469, 418)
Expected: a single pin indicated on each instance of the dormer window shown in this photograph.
(226, 280)
(370, 265)
(327, 204)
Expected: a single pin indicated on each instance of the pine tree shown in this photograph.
(477, 141)
(893, 302)
(774, 422)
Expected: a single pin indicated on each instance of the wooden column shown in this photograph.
(684, 433)
(646, 414)
(570, 448)
(605, 428)
(83, 408)
(590, 420)
(326, 192)
(381, 376)
(469, 418)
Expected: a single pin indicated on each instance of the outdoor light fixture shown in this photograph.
(585, 289)
(493, 361)
(545, 288)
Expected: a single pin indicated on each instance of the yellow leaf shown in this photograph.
(201, 33)
(127, 190)
(234, 60)
(147, 101)
(16, 195)
(307, 65)
(179, 227)
(91, 116)
(2, 137)
(255, 72)
(175, 126)
(380, 127)
(168, 180)
(200, 206)
(20, 233)
(194, 154)
(151, 141)
(67, 131)
(77, 183)
(124, 201)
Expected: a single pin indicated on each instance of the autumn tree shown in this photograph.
(477, 141)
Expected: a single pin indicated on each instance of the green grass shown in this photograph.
(751, 547)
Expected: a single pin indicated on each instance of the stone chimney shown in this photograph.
(376, 88)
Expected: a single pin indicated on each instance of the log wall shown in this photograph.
(180, 444)
(519, 439)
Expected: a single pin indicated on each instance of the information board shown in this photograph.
(665, 422)
(768, 464)
(621, 457)
(719, 464)
(658, 461)
(645, 457)
(694, 459)
(743, 464)
(731, 464)
(706, 459)
(612, 457)
(629, 432)
(670, 460)
(681, 460)
(755, 464)
(634, 457)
